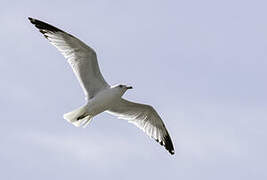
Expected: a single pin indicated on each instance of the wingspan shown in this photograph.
(146, 118)
(81, 57)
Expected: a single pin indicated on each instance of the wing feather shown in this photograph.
(146, 118)
(81, 57)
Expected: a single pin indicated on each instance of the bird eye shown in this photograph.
(120, 86)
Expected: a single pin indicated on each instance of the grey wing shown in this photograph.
(81, 57)
(146, 118)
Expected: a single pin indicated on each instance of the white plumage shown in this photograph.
(99, 94)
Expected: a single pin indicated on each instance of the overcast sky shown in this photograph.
(201, 64)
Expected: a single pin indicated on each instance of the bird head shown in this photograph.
(122, 88)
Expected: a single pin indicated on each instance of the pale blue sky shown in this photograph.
(201, 63)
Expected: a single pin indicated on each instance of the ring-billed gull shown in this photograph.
(100, 96)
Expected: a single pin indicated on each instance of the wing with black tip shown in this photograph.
(81, 57)
(146, 118)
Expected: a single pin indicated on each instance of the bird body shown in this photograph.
(100, 96)
(102, 101)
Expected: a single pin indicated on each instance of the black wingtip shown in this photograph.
(167, 143)
(31, 20)
(42, 26)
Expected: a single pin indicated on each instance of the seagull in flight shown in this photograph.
(100, 96)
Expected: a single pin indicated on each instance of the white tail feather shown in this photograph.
(78, 117)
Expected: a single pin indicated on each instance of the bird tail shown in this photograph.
(79, 117)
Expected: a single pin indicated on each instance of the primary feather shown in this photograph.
(81, 57)
(144, 117)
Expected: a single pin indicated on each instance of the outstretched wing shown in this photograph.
(81, 57)
(146, 118)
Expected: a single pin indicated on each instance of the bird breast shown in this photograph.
(102, 101)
